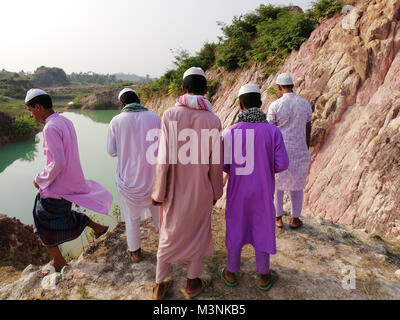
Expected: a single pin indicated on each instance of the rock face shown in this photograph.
(105, 99)
(350, 75)
(6, 129)
(19, 246)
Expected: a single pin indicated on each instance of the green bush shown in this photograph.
(267, 36)
(24, 125)
(324, 9)
(278, 37)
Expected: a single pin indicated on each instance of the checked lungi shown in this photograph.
(55, 223)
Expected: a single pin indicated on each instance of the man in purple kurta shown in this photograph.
(62, 183)
(250, 212)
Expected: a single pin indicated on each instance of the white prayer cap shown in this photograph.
(33, 93)
(249, 88)
(125, 90)
(194, 70)
(284, 79)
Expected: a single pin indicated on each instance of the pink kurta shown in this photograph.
(187, 191)
(62, 176)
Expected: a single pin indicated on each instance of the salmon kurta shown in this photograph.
(187, 191)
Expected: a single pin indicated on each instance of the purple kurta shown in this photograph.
(250, 212)
(62, 176)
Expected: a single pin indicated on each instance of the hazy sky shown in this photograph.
(106, 36)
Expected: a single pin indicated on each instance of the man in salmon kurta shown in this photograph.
(187, 183)
(250, 212)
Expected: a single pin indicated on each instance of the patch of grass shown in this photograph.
(83, 292)
(271, 91)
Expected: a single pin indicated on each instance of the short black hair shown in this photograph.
(129, 97)
(289, 86)
(195, 84)
(251, 100)
(44, 100)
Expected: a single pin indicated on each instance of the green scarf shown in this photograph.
(134, 107)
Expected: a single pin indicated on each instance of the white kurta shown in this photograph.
(291, 114)
(134, 178)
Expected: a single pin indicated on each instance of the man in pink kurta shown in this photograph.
(186, 186)
(62, 182)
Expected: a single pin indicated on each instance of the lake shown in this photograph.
(21, 161)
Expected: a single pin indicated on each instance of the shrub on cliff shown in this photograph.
(278, 37)
(266, 35)
(324, 9)
(24, 126)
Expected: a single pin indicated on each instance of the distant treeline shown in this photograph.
(266, 36)
(15, 85)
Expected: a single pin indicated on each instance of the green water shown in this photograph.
(20, 162)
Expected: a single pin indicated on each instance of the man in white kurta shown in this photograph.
(127, 141)
(292, 115)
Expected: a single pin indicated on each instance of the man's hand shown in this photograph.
(155, 203)
(35, 184)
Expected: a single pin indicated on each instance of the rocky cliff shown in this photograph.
(348, 70)
(19, 246)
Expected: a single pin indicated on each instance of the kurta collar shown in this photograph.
(54, 115)
(289, 93)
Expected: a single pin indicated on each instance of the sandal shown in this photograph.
(135, 257)
(167, 283)
(274, 278)
(205, 282)
(296, 225)
(224, 279)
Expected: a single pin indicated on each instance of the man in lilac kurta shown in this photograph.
(250, 212)
(62, 182)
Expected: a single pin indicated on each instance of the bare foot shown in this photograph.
(100, 232)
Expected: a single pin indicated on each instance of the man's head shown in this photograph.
(284, 83)
(194, 82)
(128, 96)
(39, 103)
(250, 96)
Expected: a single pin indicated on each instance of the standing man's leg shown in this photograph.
(132, 229)
(162, 284)
(296, 197)
(278, 203)
(194, 271)
(262, 265)
(155, 214)
(132, 225)
(233, 265)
